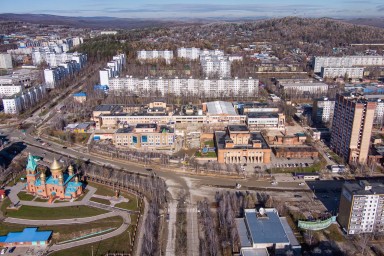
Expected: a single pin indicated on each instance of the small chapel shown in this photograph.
(52, 183)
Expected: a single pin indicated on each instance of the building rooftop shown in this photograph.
(149, 126)
(27, 235)
(108, 108)
(220, 107)
(222, 137)
(266, 228)
(238, 128)
(262, 115)
(364, 187)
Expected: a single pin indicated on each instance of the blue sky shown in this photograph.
(197, 8)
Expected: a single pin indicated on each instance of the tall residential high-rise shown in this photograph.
(352, 127)
(361, 207)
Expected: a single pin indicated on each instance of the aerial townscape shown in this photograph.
(191, 128)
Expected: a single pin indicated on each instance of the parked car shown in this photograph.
(4, 250)
(12, 250)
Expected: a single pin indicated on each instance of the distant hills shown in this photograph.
(101, 22)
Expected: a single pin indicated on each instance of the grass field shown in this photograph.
(24, 196)
(42, 213)
(100, 200)
(119, 244)
(67, 232)
(106, 191)
(43, 200)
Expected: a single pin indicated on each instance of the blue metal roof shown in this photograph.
(27, 235)
(265, 229)
(80, 94)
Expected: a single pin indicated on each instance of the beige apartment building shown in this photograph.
(352, 127)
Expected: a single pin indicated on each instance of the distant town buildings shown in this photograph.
(346, 61)
(186, 86)
(361, 208)
(18, 102)
(108, 32)
(5, 61)
(345, 72)
(352, 127)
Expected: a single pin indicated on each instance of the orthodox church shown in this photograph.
(57, 184)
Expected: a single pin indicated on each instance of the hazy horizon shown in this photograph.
(171, 9)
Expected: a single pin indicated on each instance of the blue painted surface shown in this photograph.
(27, 235)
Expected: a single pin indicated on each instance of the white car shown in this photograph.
(274, 183)
(4, 250)
(301, 184)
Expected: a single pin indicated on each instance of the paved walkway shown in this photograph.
(192, 231)
(13, 191)
(171, 245)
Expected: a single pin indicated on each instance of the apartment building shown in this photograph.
(21, 76)
(7, 90)
(322, 111)
(349, 72)
(54, 59)
(6, 61)
(346, 61)
(18, 102)
(155, 54)
(188, 53)
(53, 76)
(185, 86)
(297, 87)
(352, 127)
(215, 65)
(145, 136)
(112, 69)
(361, 208)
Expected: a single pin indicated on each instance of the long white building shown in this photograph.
(346, 61)
(291, 88)
(195, 53)
(7, 90)
(18, 102)
(54, 59)
(155, 54)
(350, 72)
(179, 86)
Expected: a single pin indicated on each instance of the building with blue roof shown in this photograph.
(265, 229)
(27, 237)
(80, 97)
(57, 184)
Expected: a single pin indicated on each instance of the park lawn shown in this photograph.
(130, 205)
(24, 196)
(106, 191)
(66, 232)
(102, 190)
(208, 154)
(209, 143)
(4, 204)
(118, 243)
(100, 200)
(44, 213)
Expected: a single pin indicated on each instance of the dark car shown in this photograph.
(11, 250)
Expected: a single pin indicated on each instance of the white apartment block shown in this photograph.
(361, 208)
(152, 55)
(23, 100)
(334, 72)
(188, 53)
(5, 61)
(54, 59)
(7, 90)
(323, 110)
(292, 88)
(113, 68)
(53, 75)
(215, 65)
(179, 86)
(346, 61)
